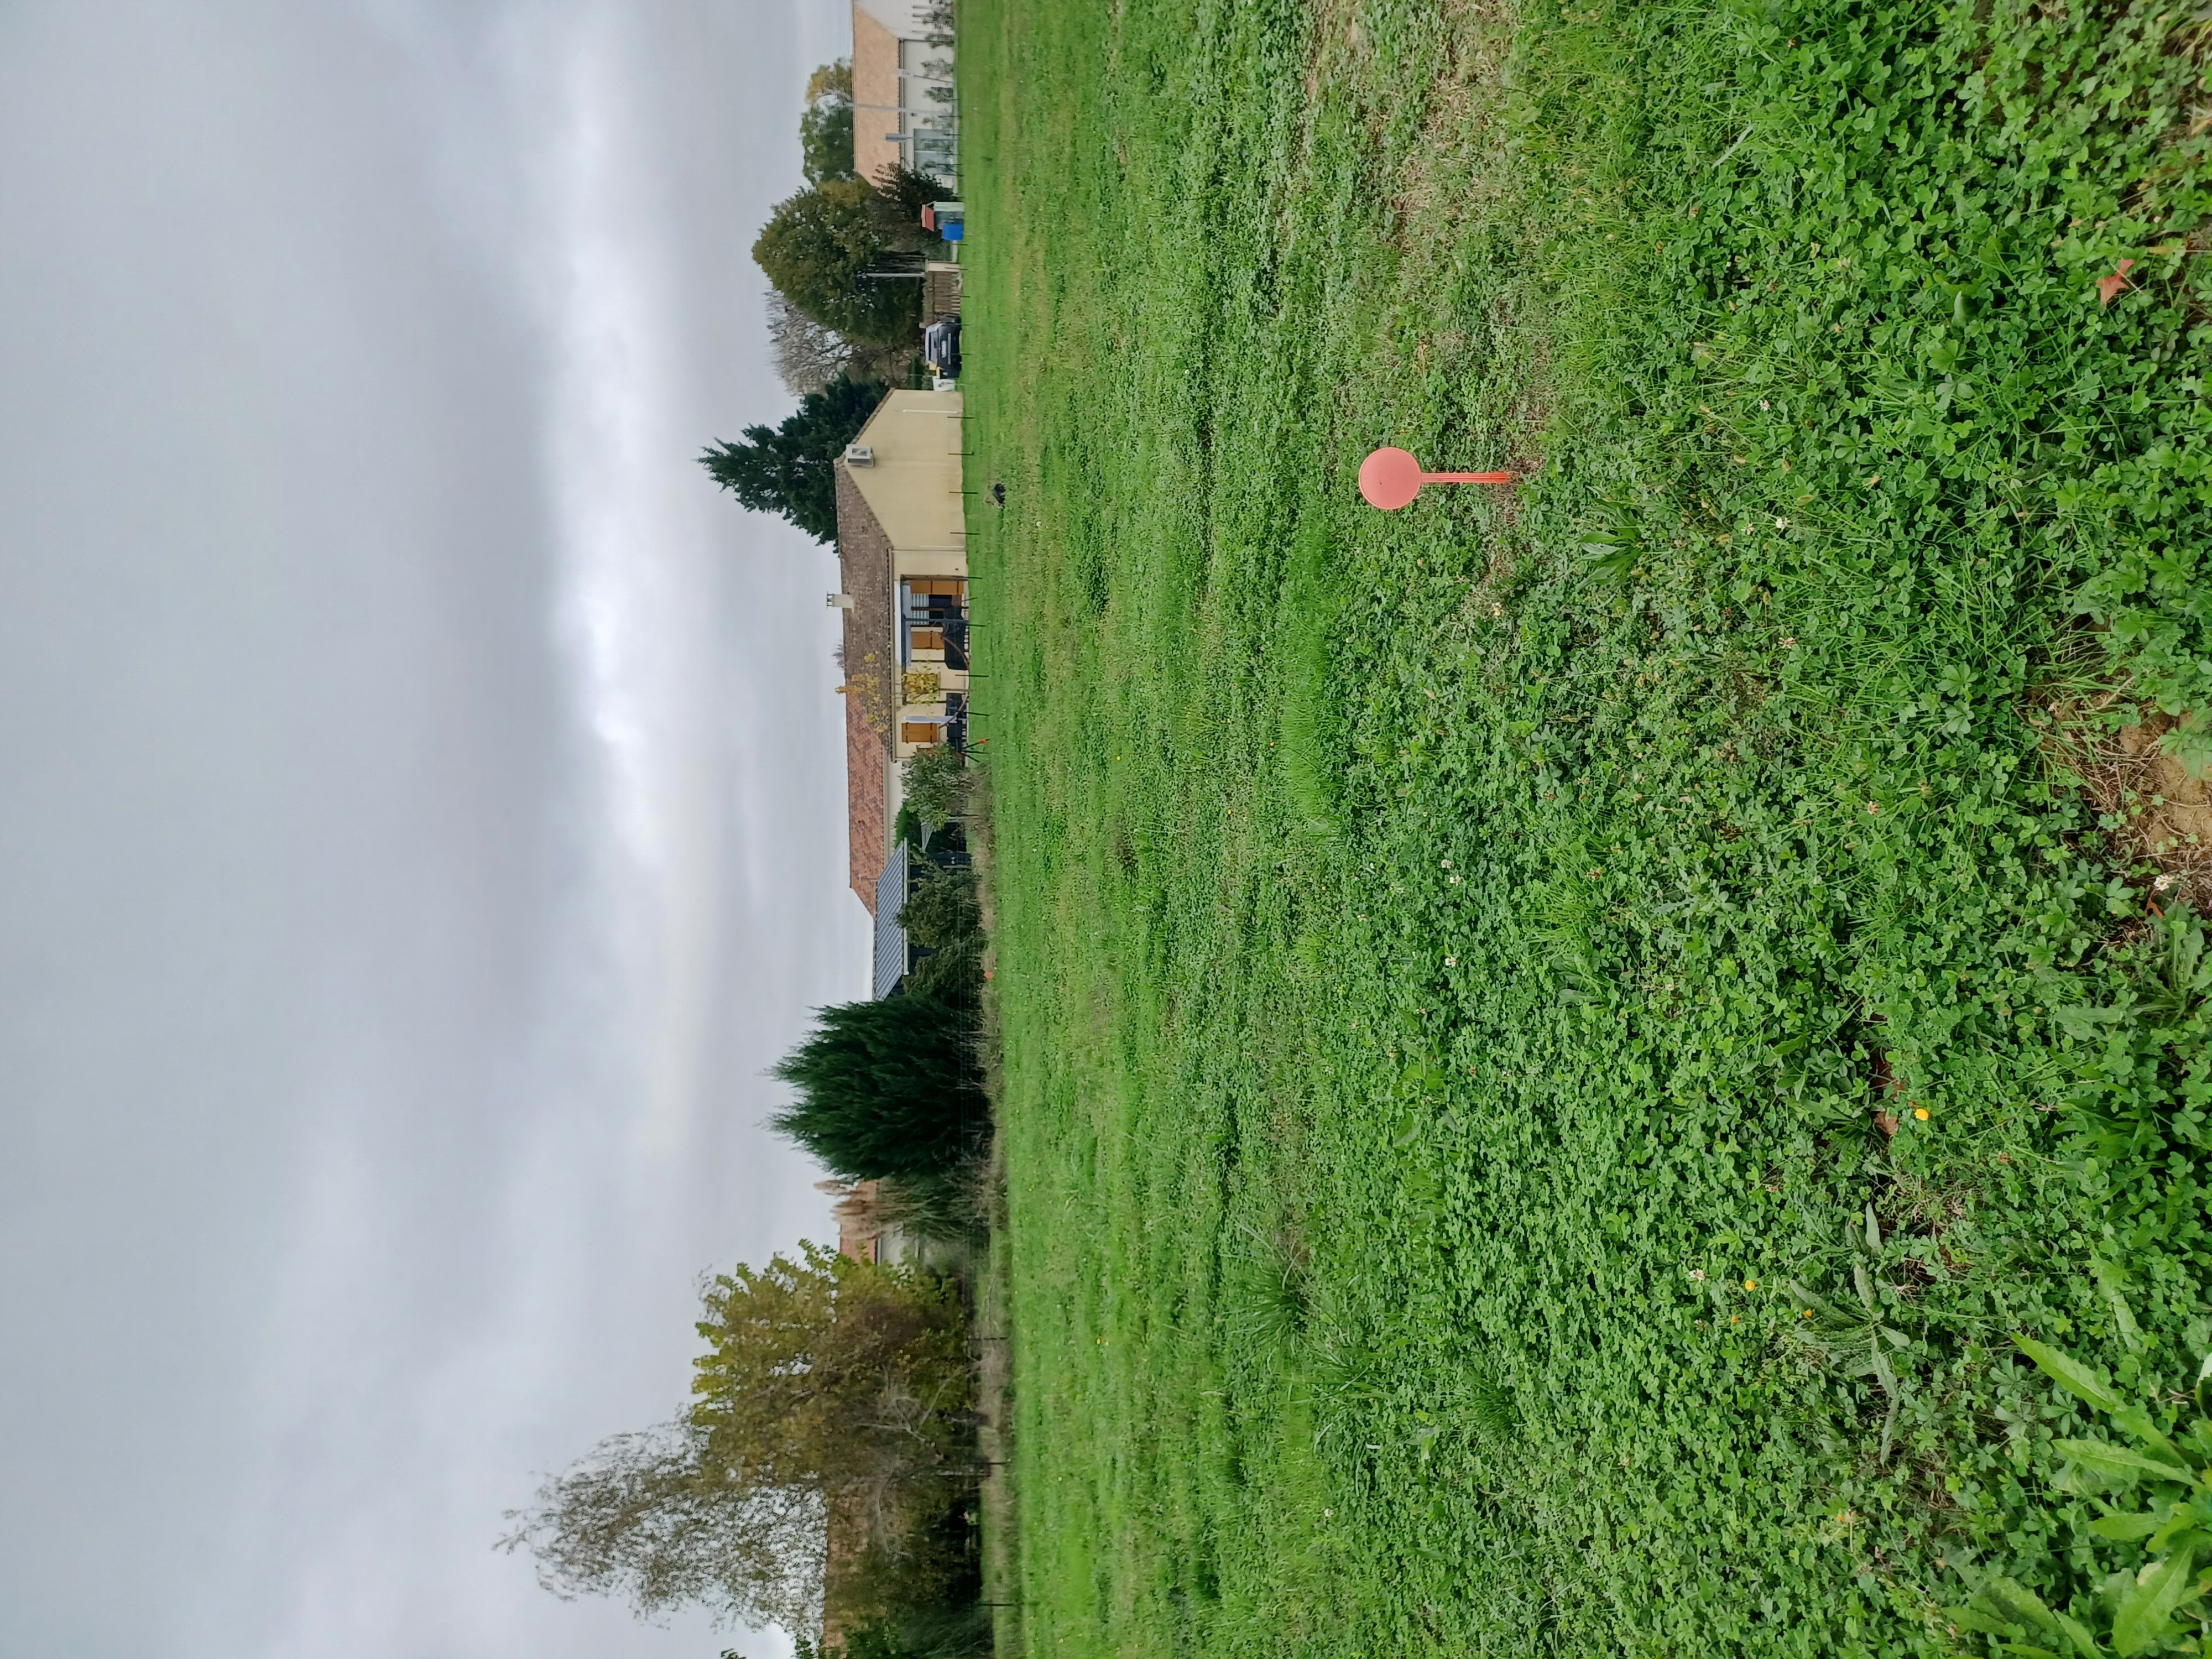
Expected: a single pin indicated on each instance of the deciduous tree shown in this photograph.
(834, 1374)
(654, 1520)
(829, 1385)
(898, 194)
(808, 356)
(825, 127)
(934, 781)
(818, 248)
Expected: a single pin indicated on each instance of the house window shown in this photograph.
(921, 730)
(926, 597)
(934, 620)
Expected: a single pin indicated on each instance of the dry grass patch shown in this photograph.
(1457, 169)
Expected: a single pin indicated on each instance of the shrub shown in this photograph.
(955, 1631)
(941, 915)
(940, 912)
(936, 783)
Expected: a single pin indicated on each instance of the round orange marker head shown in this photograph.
(1389, 479)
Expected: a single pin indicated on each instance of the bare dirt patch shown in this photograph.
(2157, 813)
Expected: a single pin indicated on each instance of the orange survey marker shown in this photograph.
(1390, 478)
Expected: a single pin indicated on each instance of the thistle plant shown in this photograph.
(2172, 1471)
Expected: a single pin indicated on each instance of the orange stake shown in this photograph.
(1390, 478)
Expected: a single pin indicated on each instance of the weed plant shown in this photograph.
(1631, 943)
(2136, 1608)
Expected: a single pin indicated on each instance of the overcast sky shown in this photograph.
(421, 795)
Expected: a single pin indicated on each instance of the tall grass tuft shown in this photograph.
(1267, 1297)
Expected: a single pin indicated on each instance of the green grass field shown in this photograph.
(1459, 969)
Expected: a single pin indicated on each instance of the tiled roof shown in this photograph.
(866, 832)
(864, 558)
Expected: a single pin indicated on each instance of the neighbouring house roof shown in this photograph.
(864, 560)
(891, 938)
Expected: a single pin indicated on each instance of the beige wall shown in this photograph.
(938, 562)
(894, 788)
(914, 488)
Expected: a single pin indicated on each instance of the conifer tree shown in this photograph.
(789, 469)
(889, 1088)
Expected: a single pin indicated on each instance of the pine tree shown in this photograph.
(789, 469)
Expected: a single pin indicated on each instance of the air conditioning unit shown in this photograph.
(839, 601)
(859, 455)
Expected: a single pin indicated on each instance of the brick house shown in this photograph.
(903, 559)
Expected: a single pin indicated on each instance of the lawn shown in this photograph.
(1484, 988)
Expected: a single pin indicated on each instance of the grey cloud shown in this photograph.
(386, 1010)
